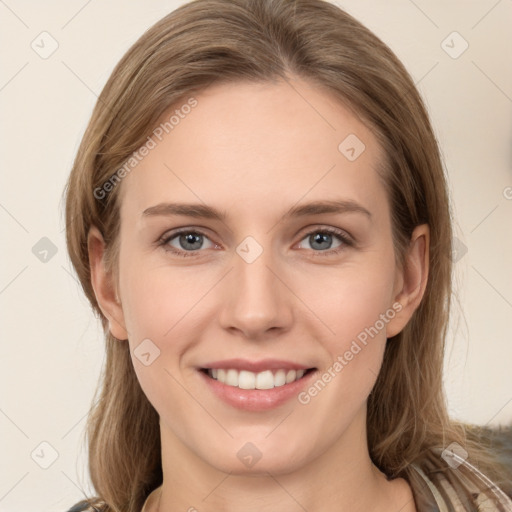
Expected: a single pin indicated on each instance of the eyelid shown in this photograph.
(173, 233)
(319, 228)
(346, 239)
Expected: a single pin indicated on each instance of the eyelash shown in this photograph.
(346, 241)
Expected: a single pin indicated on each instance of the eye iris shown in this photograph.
(189, 239)
(319, 238)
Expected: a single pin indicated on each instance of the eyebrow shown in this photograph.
(202, 211)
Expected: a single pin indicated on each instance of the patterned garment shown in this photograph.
(461, 489)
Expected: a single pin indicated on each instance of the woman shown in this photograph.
(258, 212)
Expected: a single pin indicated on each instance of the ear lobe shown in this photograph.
(104, 285)
(413, 279)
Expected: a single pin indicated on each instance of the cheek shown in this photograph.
(166, 306)
(348, 299)
(353, 304)
(354, 352)
(157, 300)
(158, 305)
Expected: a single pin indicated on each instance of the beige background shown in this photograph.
(52, 348)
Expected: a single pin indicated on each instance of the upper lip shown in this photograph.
(256, 366)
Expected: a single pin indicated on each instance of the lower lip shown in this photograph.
(257, 399)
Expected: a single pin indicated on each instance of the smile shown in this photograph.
(266, 379)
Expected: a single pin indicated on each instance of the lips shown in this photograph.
(255, 385)
(255, 366)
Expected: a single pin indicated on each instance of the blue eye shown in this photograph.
(324, 237)
(190, 242)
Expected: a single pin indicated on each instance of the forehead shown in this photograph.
(254, 145)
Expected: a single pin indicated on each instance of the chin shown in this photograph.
(256, 458)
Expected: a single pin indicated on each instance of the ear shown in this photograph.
(104, 285)
(411, 281)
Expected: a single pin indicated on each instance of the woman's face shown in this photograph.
(267, 283)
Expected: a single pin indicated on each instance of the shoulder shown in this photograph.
(457, 489)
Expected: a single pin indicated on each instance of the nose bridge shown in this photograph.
(253, 278)
(257, 299)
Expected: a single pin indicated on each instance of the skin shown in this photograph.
(255, 151)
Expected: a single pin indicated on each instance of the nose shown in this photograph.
(256, 300)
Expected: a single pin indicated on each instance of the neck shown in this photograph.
(342, 478)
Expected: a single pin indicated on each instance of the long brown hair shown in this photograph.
(212, 41)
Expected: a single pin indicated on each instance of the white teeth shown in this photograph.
(280, 378)
(291, 376)
(246, 380)
(249, 380)
(265, 380)
(232, 378)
